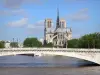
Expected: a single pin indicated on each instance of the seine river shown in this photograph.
(43, 61)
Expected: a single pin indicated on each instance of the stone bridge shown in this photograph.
(92, 55)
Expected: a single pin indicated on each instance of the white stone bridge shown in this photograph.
(92, 55)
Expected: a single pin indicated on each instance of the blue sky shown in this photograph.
(24, 18)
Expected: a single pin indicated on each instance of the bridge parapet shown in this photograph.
(51, 49)
(47, 48)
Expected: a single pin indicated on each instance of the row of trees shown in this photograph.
(12, 44)
(2, 44)
(33, 42)
(28, 42)
(86, 41)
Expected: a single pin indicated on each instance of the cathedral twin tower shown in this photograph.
(58, 36)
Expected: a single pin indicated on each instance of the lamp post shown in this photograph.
(94, 43)
(88, 44)
(13, 39)
(97, 39)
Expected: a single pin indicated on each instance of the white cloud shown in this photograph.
(37, 25)
(81, 15)
(36, 28)
(40, 23)
(18, 23)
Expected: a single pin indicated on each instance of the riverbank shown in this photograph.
(95, 70)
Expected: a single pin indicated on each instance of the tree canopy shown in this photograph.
(48, 45)
(86, 41)
(32, 42)
(14, 44)
(2, 44)
(73, 43)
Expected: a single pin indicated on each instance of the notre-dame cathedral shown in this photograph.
(59, 36)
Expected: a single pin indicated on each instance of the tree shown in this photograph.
(90, 41)
(97, 40)
(2, 44)
(86, 41)
(14, 44)
(73, 43)
(32, 42)
(48, 45)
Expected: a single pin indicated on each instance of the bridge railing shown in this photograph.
(72, 49)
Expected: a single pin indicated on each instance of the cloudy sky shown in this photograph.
(24, 18)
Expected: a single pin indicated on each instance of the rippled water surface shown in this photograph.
(43, 61)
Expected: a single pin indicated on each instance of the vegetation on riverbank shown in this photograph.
(32, 42)
(87, 41)
(14, 44)
(2, 44)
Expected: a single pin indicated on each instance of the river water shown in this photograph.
(37, 61)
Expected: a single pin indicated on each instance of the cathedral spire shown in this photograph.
(57, 22)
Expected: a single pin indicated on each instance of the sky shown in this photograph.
(20, 19)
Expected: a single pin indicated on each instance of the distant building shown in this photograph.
(59, 35)
(7, 44)
(20, 45)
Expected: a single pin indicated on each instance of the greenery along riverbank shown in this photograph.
(2, 44)
(87, 41)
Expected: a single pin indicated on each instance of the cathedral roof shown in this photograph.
(60, 30)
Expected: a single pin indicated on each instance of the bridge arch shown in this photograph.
(92, 57)
(89, 55)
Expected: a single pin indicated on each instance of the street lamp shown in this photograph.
(88, 44)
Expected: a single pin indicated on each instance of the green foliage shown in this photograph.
(32, 42)
(14, 44)
(48, 45)
(2, 43)
(90, 41)
(86, 41)
(73, 43)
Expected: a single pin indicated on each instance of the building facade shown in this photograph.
(7, 44)
(59, 35)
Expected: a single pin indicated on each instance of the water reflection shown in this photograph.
(44, 61)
